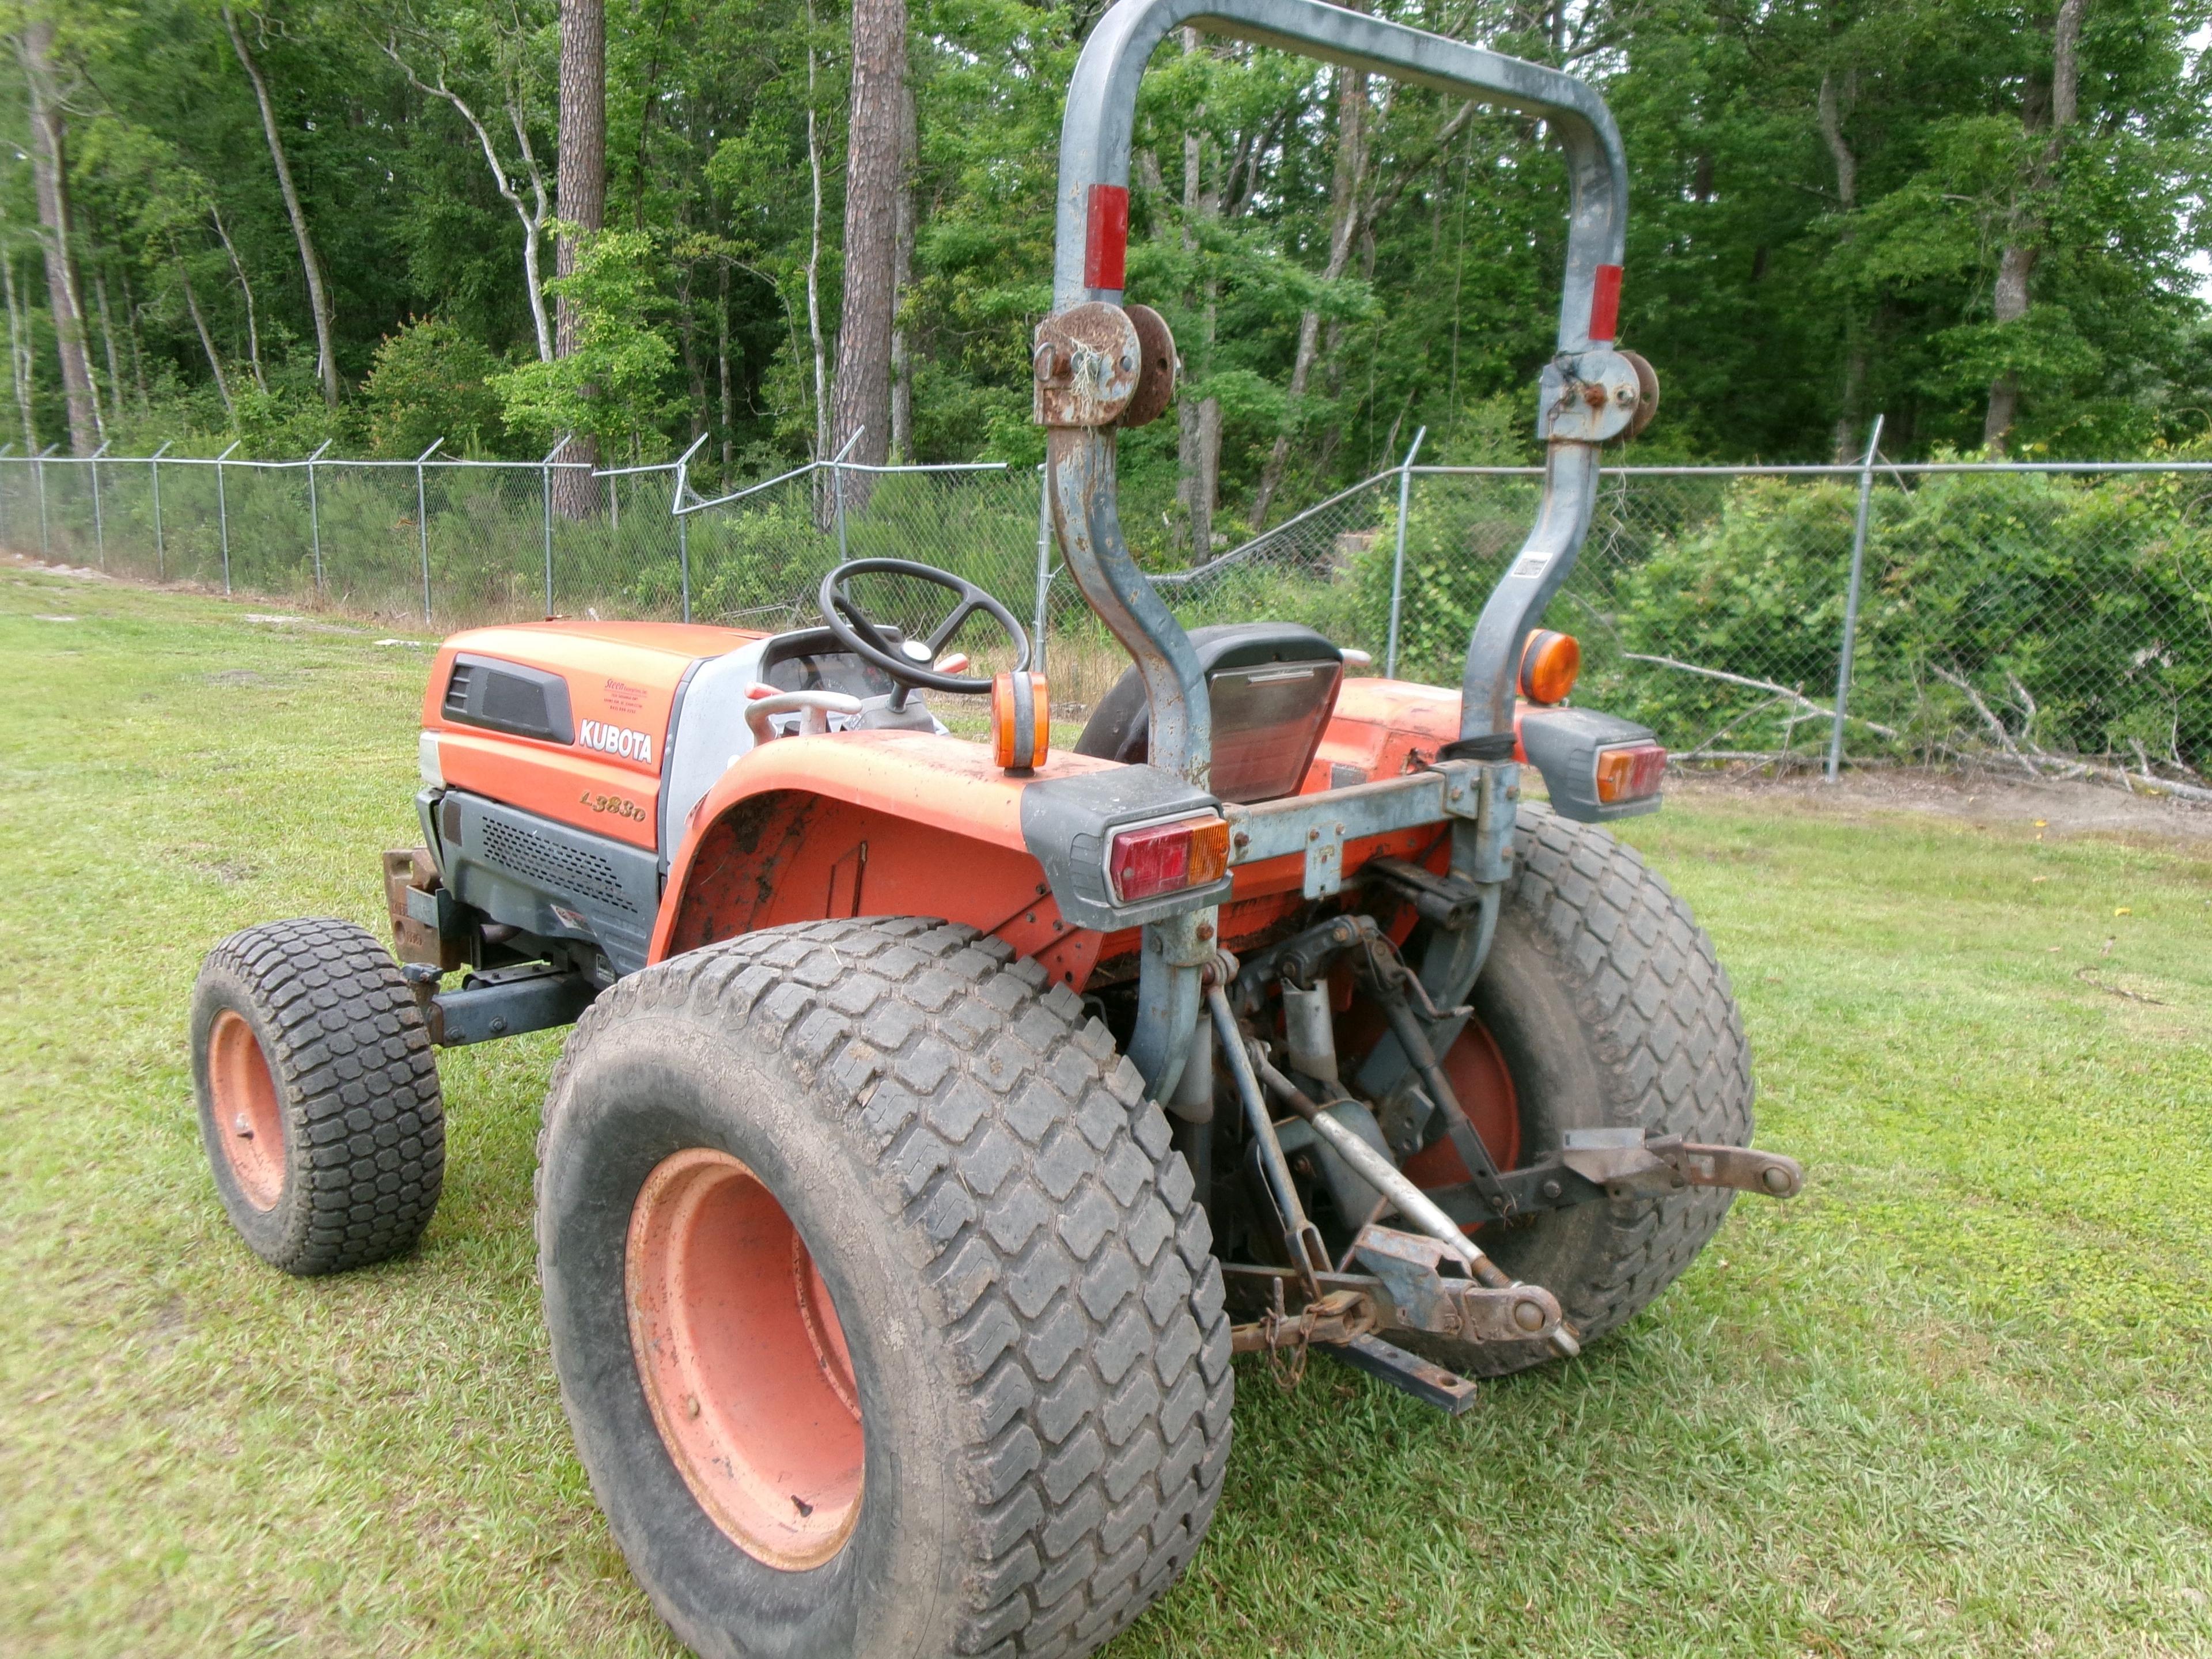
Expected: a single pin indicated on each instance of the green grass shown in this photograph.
(1954, 1399)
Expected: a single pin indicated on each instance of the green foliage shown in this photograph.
(612, 386)
(429, 381)
(1781, 315)
(2074, 611)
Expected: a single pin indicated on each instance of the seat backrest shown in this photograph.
(1272, 686)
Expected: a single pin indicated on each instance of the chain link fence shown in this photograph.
(2050, 619)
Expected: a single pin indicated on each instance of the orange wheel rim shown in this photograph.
(1477, 1074)
(249, 1124)
(743, 1360)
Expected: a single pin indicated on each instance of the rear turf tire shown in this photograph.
(318, 1094)
(1608, 1008)
(899, 1119)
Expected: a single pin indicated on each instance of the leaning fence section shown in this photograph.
(2049, 619)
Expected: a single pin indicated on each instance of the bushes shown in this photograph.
(2078, 610)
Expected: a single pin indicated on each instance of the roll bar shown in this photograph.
(1581, 386)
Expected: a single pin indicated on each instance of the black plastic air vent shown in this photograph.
(507, 697)
(457, 690)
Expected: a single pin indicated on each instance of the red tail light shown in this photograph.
(1630, 772)
(1166, 858)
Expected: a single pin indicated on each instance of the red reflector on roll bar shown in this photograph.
(1605, 297)
(1106, 246)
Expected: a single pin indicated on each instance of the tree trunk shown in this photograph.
(253, 324)
(137, 351)
(1832, 102)
(1343, 221)
(872, 170)
(687, 332)
(50, 175)
(902, 277)
(2011, 297)
(107, 339)
(18, 353)
(581, 197)
(822, 450)
(207, 343)
(318, 299)
(1199, 452)
(722, 361)
(532, 216)
(2009, 304)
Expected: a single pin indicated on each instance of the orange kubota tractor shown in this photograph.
(941, 1116)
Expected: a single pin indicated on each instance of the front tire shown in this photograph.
(882, 1310)
(318, 1093)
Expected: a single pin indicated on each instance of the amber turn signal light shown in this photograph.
(1632, 772)
(1167, 857)
(1020, 715)
(1549, 664)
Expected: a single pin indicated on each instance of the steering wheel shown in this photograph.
(909, 661)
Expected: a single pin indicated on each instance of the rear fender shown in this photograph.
(876, 823)
(885, 824)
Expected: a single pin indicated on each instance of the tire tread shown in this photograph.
(1036, 1189)
(1650, 989)
(358, 1080)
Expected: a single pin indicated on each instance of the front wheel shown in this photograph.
(318, 1093)
(882, 1308)
(1601, 1006)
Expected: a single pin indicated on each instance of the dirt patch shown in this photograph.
(2057, 809)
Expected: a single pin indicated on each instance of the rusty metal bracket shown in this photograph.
(1088, 361)
(1628, 1164)
(1588, 397)
(426, 927)
(1159, 367)
(1425, 1297)
(1446, 901)
(1428, 1382)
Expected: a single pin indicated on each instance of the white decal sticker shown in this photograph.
(617, 740)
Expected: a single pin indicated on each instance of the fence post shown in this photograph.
(1044, 567)
(423, 524)
(5, 454)
(837, 482)
(161, 552)
(39, 467)
(315, 516)
(683, 520)
(545, 497)
(1851, 600)
(98, 528)
(223, 518)
(1397, 563)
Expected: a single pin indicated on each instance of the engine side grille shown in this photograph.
(457, 690)
(551, 865)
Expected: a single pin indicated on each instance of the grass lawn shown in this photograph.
(1954, 1399)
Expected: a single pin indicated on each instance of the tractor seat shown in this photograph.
(1273, 687)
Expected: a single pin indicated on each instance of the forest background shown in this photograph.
(781, 223)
